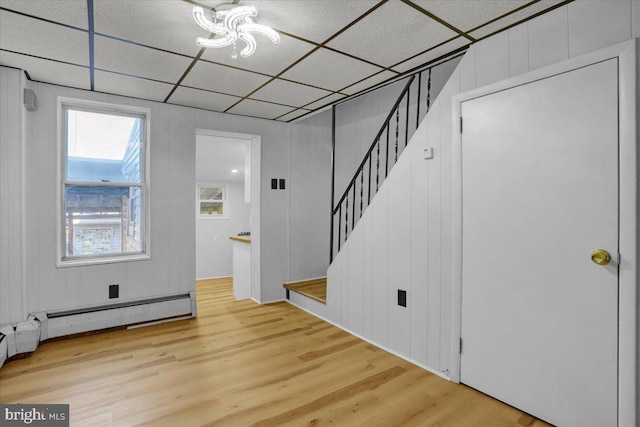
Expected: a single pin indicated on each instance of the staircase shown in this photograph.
(396, 131)
(394, 135)
(316, 289)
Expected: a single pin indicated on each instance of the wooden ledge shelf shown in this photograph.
(240, 239)
(315, 289)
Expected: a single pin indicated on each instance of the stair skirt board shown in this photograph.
(70, 322)
(312, 306)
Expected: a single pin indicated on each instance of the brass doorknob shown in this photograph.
(600, 257)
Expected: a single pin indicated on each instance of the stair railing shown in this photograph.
(397, 130)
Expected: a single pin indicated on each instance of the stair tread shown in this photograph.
(315, 289)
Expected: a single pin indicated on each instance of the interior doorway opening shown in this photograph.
(227, 196)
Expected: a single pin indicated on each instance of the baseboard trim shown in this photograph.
(395, 353)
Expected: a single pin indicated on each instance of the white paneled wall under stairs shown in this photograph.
(404, 238)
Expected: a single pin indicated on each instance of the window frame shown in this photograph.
(63, 105)
(224, 201)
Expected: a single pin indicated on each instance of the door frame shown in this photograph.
(629, 223)
(256, 146)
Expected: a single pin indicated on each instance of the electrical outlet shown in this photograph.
(114, 291)
(402, 298)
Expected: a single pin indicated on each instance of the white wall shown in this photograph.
(214, 254)
(171, 269)
(404, 239)
(11, 195)
(359, 120)
(310, 189)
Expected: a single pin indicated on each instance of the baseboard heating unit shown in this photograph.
(24, 337)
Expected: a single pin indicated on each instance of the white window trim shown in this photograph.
(63, 102)
(225, 200)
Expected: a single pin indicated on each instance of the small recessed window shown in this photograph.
(103, 183)
(212, 201)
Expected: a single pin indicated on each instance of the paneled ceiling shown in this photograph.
(329, 49)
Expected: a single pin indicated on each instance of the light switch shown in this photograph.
(427, 153)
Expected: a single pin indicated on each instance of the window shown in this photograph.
(212, 201)
(103, 183)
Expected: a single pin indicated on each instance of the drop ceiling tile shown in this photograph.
(166, 25)
(122, 57)
(269, 58)
(466, 15)
(374, 39)
(292, 115)
(288, 93)
(265, 110)
(202, 99)
(312, 20)
(370, 82)
(131, 86)
(324, 101)
(432, 54)
(205, 75)
(47, 71)
(69, 12)
(327, 69)
(34, 37)
(513, 18)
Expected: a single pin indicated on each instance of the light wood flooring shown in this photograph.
(315, 289)
(242, 364)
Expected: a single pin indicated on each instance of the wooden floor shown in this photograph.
(315, 289)
(242, 364)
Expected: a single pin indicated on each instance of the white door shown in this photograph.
(539, 194)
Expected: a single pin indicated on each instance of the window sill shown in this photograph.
(79, 262)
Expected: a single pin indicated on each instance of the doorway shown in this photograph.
(227, 194)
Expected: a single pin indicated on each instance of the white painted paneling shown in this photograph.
(379, 211)
(343, 315)
(310, 205)
(334, 288)
(542, 41)
(548, 38)
(11, 196)
(180, 193)
(519, 49)
(275, 216)
(369, 234)
(448, 124)
(590, 24)
(492, 59)
(434, 303)
(419, 250)
(399, 258)
(467, 69)
(356, 279)
(635, 18)
(171, 268)
(357, 123)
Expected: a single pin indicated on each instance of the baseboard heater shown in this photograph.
(68, 322)
(24, 337)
